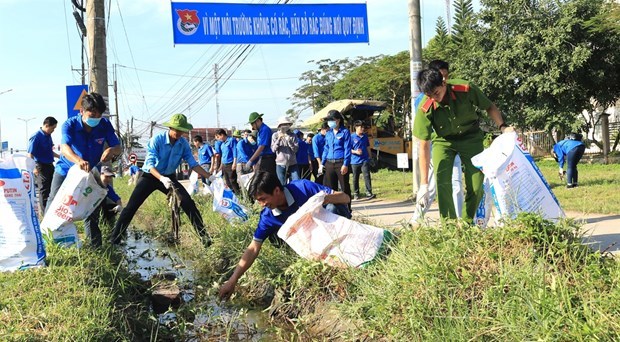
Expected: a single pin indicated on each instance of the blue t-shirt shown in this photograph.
(133, 169)
(86, 145)
(166, 157)
(318, 144)
(562, 148)
(418, 99)
(337, 146)
(245, 150)
(297, 193)
(112, 194)
(205, 152)
(359, 142)
(303, 152)
(41, 147)
(226, 150)
(264, 139)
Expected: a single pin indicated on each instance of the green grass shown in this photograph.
(531, 280)
(82, 295)
(597, 191)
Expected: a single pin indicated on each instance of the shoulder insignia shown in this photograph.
(461, 88)
(427, 105)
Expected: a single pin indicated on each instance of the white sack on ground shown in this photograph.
(78, 196)
(245, 180)
(192, 187)
(317, 234)
(516, 183)
(21, 243)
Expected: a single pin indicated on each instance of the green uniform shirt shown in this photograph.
(456, 119)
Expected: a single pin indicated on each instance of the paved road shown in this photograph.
(601, 231)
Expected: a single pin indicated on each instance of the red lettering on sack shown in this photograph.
(69, 200)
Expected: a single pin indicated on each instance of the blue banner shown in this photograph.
(219, 23)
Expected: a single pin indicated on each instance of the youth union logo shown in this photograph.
(188, 21)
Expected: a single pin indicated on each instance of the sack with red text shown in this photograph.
(516, 184)
(21, 243)
(315, 233)
(78, 197)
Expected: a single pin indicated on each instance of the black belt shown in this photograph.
(335, 160)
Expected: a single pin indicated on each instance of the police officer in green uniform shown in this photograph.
(448, 116)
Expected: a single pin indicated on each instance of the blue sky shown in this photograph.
(40, 45)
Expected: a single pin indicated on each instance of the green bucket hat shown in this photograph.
(255, 116)
(237, 134)
(179, 122)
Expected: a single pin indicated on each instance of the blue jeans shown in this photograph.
(572, 159)
(281, 171)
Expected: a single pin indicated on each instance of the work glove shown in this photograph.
(166, 182)
(422, 197)
(117, 209)
(249, 164)
(321, 169)
(247, 168)
(560, 170)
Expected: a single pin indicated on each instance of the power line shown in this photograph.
(203, 77)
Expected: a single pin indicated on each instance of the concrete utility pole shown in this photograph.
(217, 102)
(95, 26)
(415, 66)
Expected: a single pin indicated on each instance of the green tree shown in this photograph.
(385, 78)
(316, 91)
(539, 61)
(463, 20)
(440, 46)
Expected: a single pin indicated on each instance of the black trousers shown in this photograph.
(363, 168)
(333, 178)
(230, 177)
(267, 163)
(147, 183)
(46, 174)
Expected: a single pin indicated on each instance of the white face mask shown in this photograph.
(284, 128)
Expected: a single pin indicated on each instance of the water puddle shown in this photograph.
(172, 282)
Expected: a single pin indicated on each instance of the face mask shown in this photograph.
(331, 124)
(92, 122)
(284, 128)
(253, 142)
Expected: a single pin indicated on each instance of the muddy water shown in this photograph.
(157, 263)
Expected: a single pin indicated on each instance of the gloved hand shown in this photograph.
(165, 181)
(560, 170)
(422, 197)
(117, 209)
(247, 168)
(321, 169)
(249, 164)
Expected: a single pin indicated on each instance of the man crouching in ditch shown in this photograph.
(279, 203)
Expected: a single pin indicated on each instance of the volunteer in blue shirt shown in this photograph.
(163, 156)
(318, 145)
(570, 150)
(205, 155)
(264, 158)
(226, 155)
(245, 149)
(279, 203)
(360, 157)
(304, 156)
(83, 140)
(336, 154)
(41, 149)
